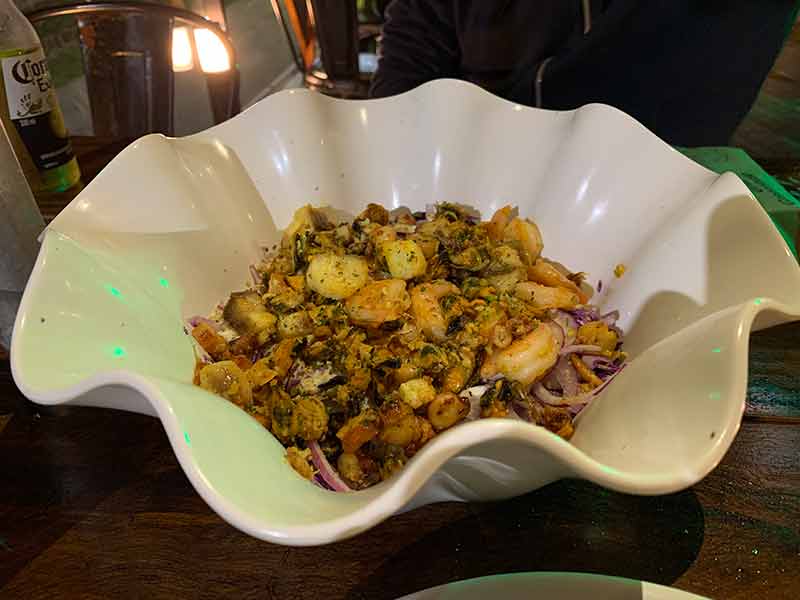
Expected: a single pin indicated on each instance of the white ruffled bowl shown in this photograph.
(169, 228)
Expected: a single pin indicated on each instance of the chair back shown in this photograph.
(325, 38)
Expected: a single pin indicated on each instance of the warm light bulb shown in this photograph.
(181, 50)
(211, 51)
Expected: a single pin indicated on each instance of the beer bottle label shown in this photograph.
(33, 108)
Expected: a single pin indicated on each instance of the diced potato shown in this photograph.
(305, 217)
(402, 433)
(404, 258)
(504, 259)
(309, 419)
(429, 244)
(335, 276)
(417, 392)
(226, 379)
(296, 324)
(446, 410)
(300, 461)
(247, 314)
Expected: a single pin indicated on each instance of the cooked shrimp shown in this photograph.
(542, 296)
(309, 419)
(426, 309)
(525, 235)
(378, 303)
(526, 359)
(545, 273)
(500, 220)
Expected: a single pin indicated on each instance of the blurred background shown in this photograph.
(327, 45)
(276, 45)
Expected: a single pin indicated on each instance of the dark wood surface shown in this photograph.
(94, 504)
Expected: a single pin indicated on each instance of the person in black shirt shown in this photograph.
(689, 70)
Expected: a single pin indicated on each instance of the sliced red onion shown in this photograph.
(542, 394)
(584, 315)
(581, 349)
(203, 356)
(400, 211)
(196, 320)
(519, 412)
(318, 479)
(568, 324)
(325, 471)
(550, 381)
(610, 318)
(310, 379)
(600, 388)
(473, 395)
(596, 362)
(558, 332)
(255, 276)
(574, 404)
(567, 376)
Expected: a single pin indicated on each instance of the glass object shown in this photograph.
(29, 108)
(20, 225)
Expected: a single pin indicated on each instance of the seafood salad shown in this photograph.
(358, 342)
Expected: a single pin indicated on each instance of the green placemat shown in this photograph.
(781, 206)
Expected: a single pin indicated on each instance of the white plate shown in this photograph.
(547, 586)
(169, 228)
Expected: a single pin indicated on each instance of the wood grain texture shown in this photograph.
(774, 378)
(93, 502)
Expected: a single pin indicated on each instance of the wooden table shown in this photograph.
(93, 503)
